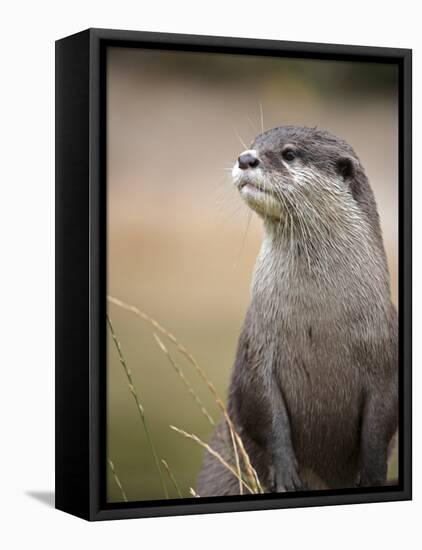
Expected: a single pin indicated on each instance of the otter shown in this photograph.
(314, 387)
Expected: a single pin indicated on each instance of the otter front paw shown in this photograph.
(287, 479)
(370, 479)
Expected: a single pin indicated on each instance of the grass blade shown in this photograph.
(139, 406)
(172, 478)
(214, 453)
(184, 380)
(117, 480)
(236, 440)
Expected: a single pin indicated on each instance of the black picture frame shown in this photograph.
(81, 272)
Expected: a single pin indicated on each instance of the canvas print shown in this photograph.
(252, 275)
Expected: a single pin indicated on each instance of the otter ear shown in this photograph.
(346, 167)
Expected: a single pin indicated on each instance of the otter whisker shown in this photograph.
(283, 199)
(289, 208)
(239, 138)
(252, 125)
(262, 117)
(303, 233)
(280, 195)
(242, 246)
(315, 226)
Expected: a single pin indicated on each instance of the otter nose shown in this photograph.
(248, 159)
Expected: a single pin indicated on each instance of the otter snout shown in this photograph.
(248, 159)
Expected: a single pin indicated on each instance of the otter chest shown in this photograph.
(309, 359)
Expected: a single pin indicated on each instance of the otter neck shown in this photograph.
(340, 266)
(338, 242)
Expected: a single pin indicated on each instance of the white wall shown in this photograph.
(27, 268)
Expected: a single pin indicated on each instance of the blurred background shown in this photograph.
(180, 245)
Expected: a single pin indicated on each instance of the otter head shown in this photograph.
(304, 176)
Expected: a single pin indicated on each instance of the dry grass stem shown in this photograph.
(139, 405)
(172, 478)
(236, 458)
(117, 480)
(184, 380)
(253, 476)
(214, 453)
(251, 473)
(174, 340)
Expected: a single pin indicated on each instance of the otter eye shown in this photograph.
(289, 155)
